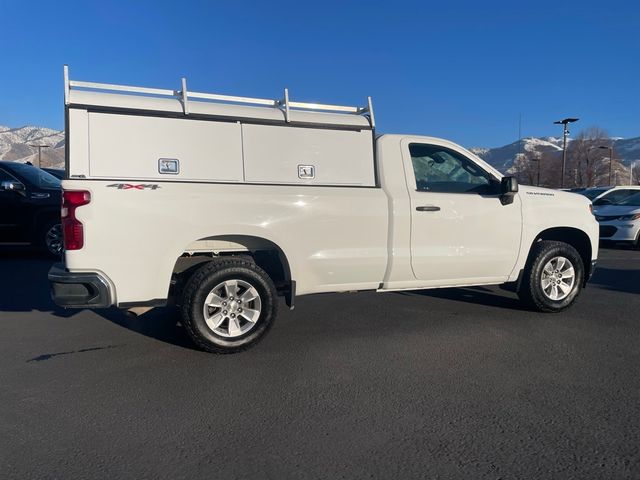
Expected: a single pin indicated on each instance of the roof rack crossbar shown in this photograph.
(120, 88)
(184, 96)
(231, 98)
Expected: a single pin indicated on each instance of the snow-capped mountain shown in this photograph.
(16, 144)
(503, 157)
(627, 150)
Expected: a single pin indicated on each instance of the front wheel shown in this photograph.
(228, 305)
(553, 277)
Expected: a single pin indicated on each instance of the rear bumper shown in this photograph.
(78, 290)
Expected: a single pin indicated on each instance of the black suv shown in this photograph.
(30, 207)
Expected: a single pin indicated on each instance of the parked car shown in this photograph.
(620, 221)
(593, 192)
(223, 206)
(30, 207)
(614, 195)
(56, 172)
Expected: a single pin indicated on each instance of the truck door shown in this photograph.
(460, 230)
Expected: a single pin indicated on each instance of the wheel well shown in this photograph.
(264, 253)
(574, 237)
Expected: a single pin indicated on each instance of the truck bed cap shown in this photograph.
(101, 96)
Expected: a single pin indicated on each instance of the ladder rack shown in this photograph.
(284, 104)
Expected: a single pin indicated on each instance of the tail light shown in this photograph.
(71, 226)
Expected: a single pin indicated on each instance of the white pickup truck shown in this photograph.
(221, 204)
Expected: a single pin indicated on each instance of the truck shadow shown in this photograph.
(23, 283)
(24, 288)
(160, 323)
(617, 279)
(491, 297)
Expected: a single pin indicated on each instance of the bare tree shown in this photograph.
(550, 168)
(584, 157)
(634, 172)
(524, 169)
(589, 161)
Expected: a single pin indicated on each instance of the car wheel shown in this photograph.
(51, 238)
(228, 305)
(553, 277)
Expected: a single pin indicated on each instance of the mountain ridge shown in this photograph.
(15, 145)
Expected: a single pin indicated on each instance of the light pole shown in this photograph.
(565, 134)
(39, 147)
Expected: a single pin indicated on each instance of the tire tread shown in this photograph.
(526, 291)
(191, 288)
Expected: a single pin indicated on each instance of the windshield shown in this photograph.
(614, 197)
(35, 176)
(592, 193)
(632, 201)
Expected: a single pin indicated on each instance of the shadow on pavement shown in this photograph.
(24, 288)
(617, 279)
(160, 323)
(475, 295)
(23, 283)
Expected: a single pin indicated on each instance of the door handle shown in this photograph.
(428, 208)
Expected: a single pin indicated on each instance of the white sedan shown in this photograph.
(620, 222)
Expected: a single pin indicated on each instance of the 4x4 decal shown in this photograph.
(136, 186)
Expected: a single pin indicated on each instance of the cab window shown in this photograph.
(440, 169)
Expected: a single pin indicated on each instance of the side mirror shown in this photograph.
(508, 189)
(12, 186)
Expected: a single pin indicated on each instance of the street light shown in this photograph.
(39, 147)
(565, 134)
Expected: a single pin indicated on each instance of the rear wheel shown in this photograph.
(228, 305)
(51, 238)
(553, 277)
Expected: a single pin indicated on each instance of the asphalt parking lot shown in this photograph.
(455, 383)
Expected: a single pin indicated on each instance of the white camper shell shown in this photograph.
(216, 138)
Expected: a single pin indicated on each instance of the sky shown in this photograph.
(462, 70)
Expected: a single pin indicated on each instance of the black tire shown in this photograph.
(202, 283)
(44, 240)
(531, 292)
